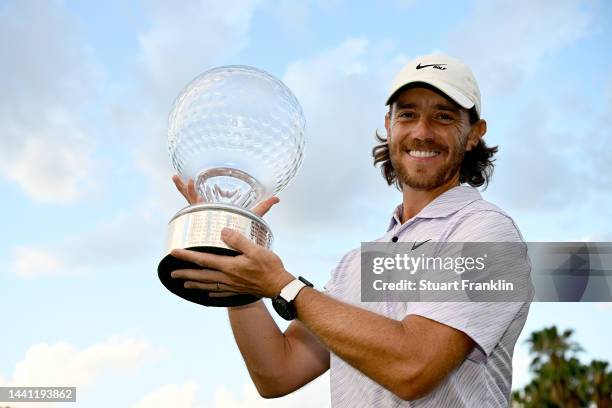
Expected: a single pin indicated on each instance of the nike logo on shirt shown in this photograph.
(415, 245)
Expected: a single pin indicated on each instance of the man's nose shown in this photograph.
(421, 130)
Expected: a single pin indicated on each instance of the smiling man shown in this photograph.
(387, 354)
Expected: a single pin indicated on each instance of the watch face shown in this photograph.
(282, 308)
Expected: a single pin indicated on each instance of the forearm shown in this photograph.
(261, 343)
(379, 347)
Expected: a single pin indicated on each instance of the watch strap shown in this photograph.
(291, 290)
(303, 279)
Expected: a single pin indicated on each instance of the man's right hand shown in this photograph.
(188, 191)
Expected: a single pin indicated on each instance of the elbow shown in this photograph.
(269, 390)
(410, 393)
(270, 393)
(412, 385)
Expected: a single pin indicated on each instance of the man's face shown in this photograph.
(427, 136)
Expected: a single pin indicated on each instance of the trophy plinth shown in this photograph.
(198, 227)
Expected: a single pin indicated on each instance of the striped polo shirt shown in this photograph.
(484, 378)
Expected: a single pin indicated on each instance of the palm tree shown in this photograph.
(549, 345)
(601, 380)
(560, 379)
(551, 363)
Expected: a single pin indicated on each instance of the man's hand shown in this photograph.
(187, 190)
(226, 276)
(191, 195)
(257, 270)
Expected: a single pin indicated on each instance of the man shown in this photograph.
(387, 354)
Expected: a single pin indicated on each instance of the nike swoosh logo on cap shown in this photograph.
(436, 66)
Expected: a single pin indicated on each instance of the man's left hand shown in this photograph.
(256, 270)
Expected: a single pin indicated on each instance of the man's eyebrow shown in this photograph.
(439, 106)
(446, 107)
(402, 105)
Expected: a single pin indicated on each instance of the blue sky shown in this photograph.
(85, 177)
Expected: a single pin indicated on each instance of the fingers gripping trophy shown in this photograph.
(239, 133)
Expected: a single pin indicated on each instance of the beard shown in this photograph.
(419, 179)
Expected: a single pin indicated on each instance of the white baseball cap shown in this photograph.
(449, 75)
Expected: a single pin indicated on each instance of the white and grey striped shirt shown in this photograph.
(484, 379)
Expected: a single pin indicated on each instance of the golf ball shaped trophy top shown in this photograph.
(239, 133)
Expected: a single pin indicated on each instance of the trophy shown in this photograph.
(239, 133)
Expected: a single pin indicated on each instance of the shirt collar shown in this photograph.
(442, 206)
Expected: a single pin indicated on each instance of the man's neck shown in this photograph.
(416, 200)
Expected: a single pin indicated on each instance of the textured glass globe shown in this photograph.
(239, 133)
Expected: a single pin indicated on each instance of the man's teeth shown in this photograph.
(422, 153)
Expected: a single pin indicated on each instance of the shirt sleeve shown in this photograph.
(484, 322)
(332, 287)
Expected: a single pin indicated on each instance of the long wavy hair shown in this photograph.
(476, 168)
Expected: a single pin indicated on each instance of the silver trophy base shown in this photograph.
(198, 227)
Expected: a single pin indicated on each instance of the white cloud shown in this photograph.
(183, 41)
(506, 40)
(64, 365)
(532, 163)
(550, 166)
(29, 262)
(46, 170)
(520, 367)
(314, 394)
(171, 395)
(47, 77)
(127, 237)
(598, 146)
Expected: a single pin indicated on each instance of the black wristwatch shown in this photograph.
(283, 303)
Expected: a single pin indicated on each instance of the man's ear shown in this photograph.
(476, 133)
(388, 125)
